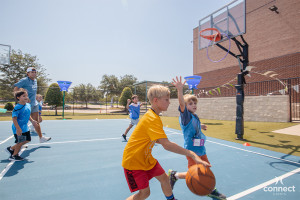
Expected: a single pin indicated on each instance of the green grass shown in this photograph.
(257, 134)
(69, 116)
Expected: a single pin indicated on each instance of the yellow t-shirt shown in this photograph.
(137, 153)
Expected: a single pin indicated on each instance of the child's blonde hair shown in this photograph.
(157, 91)
(190, 97)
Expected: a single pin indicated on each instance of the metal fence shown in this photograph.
(80, 103)
(289, 87)
(99, 103)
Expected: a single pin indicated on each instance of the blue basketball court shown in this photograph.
(83, 161)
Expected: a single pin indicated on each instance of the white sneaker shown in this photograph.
(31, 128)
(44, 139)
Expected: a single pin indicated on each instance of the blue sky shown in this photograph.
(81, 40)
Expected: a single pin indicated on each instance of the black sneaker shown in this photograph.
(124, 137)
(172, 177)
(217, 195)
(16, 158)
(8, 150)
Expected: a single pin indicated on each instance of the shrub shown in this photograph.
(9, 106)
(126, 94)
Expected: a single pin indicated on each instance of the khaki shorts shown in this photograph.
(34, 109)
(134, 121)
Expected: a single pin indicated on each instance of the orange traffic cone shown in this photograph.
(247, 144)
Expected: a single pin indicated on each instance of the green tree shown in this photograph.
(85, 93)
(98, 95)
(54, 96)
(80, 93)
(9, 106)
(141, 92)
(126, 94)
(74, 96)
(126, 81)
(109, 85)
(19, 62)
(68, 96)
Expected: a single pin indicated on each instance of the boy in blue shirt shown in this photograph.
(134, 113)
(194, 139)
(20, 117)
(30, 84)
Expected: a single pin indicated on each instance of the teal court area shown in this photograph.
(83, 161)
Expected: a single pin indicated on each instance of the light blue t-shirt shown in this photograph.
(22, 112)
(191, 127)
(31, 87)
(134, 110)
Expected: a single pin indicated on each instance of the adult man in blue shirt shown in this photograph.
(30, 84)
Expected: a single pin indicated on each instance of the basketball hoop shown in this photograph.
(215, 61)
(214, 37)
(5, 54)
(218, 36)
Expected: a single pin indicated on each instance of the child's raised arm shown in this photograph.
(128, 102)
(179, 86)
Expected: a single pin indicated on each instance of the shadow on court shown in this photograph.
(18, 166)
(83, 161)
(291, 148)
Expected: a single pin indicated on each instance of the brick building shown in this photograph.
(274, 45)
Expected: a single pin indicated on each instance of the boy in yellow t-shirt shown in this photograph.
(138, 163)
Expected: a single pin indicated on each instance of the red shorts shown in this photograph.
(139, 179)
(191, 162)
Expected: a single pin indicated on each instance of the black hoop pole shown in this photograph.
(240, 95)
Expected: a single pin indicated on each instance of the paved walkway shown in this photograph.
(293, 130)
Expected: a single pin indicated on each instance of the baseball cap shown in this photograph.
(30, 69)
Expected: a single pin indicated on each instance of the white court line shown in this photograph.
(253, 189)
(49, 143)
(10, 164)
(6, 139)
(261, 154)
(74, 141)
(254, 152)
(64, 121)
(104, 139)
(77, 141)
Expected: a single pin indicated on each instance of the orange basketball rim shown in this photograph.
(214, 37)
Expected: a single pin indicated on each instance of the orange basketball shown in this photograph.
(200, 180)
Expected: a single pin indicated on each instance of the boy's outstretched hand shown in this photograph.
(178, 83)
